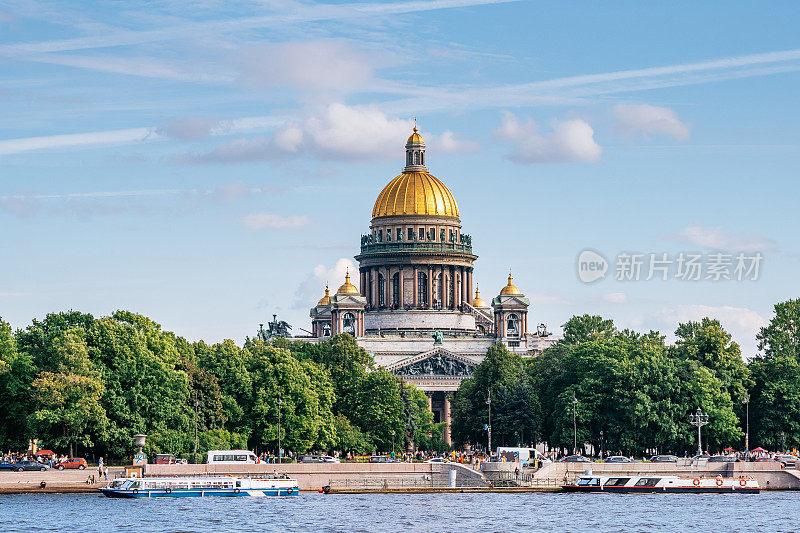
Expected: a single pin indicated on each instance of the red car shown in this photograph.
(73, 462)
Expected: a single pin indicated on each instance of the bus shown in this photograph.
(525, 456)
(231, 457)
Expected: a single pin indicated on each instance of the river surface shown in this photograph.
(770, 512)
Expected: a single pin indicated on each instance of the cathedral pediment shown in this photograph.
(436, 362)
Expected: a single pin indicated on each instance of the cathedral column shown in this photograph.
(415, 288)
(401, 288)
(430, 286)
(373, 273)
(429, 396)
(463, 285)
(469, 286)
(362, 286)
(387, 287)
(447, 420)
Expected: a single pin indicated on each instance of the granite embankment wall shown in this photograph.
(55, 481)
(770, 475)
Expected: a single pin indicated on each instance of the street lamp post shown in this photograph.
(575, 423)
(746, 402)
(699, 419)
(489, 427)
(280, 451)
(601, 444)
(392, 443)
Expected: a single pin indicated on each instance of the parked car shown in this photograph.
(5, 465)
(701, 456)
(319, 459)
(381, 459)
(619, 459)
(664, 459)
(30, 465)
(165, 459)
(722, 459)
(787, 460)
(436, 460)
(575, 459)
(73, 462)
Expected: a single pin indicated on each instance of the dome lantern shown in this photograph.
(415, 152)
(325, 300)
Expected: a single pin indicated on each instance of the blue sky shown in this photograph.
(210, 163)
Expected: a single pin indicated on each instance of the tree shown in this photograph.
(17, 372)
(775, 398)
(68, 407)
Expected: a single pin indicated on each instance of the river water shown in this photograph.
(771, 512)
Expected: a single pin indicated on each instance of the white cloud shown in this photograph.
(717, 238)
(615, 297)
(742, 323)
(338, 132)
(648, 120)
(189, 128)
(570, 141)
(313, 287)
(448, 142)
(307, 65)
(272, 221)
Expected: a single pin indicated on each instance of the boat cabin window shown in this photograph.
(589, 482)
(647, 482)
(617, 481)
(238, 483)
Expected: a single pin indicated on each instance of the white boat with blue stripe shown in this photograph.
(183, 487)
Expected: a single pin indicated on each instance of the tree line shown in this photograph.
(81, 384)
(633, 393)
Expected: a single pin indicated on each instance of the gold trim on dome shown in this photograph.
(415, 193)
(347, 288)
(510, 288)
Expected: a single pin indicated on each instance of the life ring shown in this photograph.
(696, 482)
(168, 490)
(236, 491)
(719, 482)
(136, 491)
(742, 482)
(290, 490)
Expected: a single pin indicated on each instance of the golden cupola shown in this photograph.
(510, 288)
(415, 191)
(325, 300)
(347, 287)
(478, 301)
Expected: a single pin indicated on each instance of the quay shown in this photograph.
(412, 478)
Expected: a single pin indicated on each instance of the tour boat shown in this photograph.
(655, 483)
(181, 487)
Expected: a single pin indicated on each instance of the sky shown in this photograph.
(209, 164)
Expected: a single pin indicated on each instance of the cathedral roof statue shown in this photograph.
(415, 191)
(510, 288)
(347, 288)
(325, 300)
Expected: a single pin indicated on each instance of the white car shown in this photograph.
(436, 460)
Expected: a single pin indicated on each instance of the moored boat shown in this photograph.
(668, 484)
(181, 487)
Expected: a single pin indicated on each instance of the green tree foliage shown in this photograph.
(515, 408)
(775, 399)
(68, 408)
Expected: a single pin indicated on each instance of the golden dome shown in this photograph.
(510, 288)
(415, 137)
(478, 301)
(325, 300)
(347, 288)
(415, 193)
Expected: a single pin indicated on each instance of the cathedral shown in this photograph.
(415, 309)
